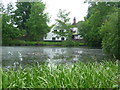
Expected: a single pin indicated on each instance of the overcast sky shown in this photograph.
(77, 8)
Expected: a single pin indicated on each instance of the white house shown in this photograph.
(54, 37)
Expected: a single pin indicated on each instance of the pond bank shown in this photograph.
(41, 43)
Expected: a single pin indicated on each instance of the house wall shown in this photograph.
(52, 35)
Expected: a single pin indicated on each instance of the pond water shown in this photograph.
(15, 56)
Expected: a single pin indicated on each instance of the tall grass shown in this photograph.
(0, 78)
(78, 75)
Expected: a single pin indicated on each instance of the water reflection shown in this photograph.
(15, 56)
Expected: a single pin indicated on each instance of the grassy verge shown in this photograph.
(39, 43)
(79, 75)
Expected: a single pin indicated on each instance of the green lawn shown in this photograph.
(78, 75)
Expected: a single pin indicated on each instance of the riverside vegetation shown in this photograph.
(42, 43)
(78, 75)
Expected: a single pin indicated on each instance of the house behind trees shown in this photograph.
(51, 36)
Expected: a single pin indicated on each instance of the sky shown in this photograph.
(77, 8)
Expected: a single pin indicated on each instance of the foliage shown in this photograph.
(37, 23)
(63, 24)
(2, 9)
(9, 31)
(9, 10)
(28, 20)
(0, 78)
(90, 28)
(21, 14)
(0, 29)
(40, 43)
(84, 27)
(78, 75)
(109, 32)
(69, 43)
(101, 27)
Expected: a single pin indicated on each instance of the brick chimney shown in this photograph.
(74, 21)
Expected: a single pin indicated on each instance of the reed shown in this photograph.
(0, 78)
(78, 75)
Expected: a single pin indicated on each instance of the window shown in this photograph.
(57, 37)
(55, 30)
(61, 30)
(53, 38)
(62, 38)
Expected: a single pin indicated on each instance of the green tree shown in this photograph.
(97, 13)
(63, 24)
(9, 9)
(101, 25)
(83, 27)
(111, 38)
(9, 31)
(37, 23)
(21, 14)
(2, 9)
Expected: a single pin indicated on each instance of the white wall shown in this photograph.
(50, 35)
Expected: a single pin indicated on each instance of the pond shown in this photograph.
(28, 55)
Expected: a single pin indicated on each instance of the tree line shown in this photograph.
(101, 27)
(28, 21)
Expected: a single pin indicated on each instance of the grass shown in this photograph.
(38, 43)
(0, 78)
(78, 75)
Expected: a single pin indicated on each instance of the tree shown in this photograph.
(101, 24)
(62, 24)
(2, 9)
(111, 38)
(37, 23)
(10, 8)
(83, 27)
(21, 15)
(9, 32)
(97, 13)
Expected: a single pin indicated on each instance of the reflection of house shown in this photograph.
(52, 52)
(54, 37)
